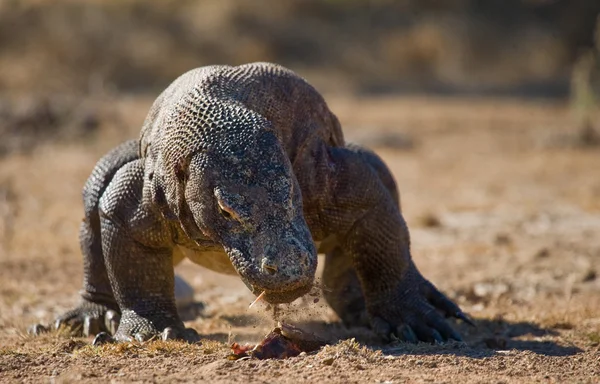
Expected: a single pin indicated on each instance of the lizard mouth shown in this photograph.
(282, 296)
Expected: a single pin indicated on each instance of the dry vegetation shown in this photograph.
(503, 203)
(464, 46)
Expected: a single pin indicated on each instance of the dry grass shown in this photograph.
(97, 46)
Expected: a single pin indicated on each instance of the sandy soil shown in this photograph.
(503, 202)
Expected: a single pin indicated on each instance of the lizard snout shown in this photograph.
(286, 271)
(288, 264)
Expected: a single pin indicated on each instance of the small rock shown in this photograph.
(328, 361)
(430, 220)
(590, 275)
(588, 136)
(502, 239)
(542, 253)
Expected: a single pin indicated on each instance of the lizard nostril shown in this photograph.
(268, 267)
(304, 260)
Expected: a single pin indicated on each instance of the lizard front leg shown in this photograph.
(97, 310)
(360, 212)
(138, 248)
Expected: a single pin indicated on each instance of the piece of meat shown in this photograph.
(282, 342)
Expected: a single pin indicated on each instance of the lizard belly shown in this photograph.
(214, 260)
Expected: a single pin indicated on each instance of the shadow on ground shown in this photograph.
(488, 338)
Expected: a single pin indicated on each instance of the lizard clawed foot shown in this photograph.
(170, 333)
(93, 325)
(188, 334)
(416, 313)
(102, 338)
(37, 329)
(141, 329)
(87, 319)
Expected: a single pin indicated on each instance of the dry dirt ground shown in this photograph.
(503, 201)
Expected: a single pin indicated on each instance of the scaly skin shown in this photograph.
(244, 170)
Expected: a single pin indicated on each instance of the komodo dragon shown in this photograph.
(245, 170)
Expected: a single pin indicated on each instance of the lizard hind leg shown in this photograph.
(362, 211)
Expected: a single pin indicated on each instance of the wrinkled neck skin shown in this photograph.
(247, 199)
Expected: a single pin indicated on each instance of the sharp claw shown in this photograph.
(91, 326)
(37, 329)
(169, 333)
(143, 336)
(102, 338)
(437, 337)
(381, 328)
(111, 321)
(462, 316)
(187, 334)
(72, 326)
(407, 334)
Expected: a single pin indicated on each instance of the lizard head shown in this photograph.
(246, 198)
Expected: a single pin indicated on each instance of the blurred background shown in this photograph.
(516, 47)
(52, 50)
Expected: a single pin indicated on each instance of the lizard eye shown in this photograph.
(226, 211)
